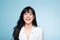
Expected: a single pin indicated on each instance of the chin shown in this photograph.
(28, 22)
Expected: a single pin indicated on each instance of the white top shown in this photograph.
(36, 34)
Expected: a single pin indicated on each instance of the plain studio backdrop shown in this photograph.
(47, 14)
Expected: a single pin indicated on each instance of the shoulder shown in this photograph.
(38, 29)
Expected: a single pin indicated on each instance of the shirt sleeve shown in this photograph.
(41, 34)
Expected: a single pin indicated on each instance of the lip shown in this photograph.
(28, 19)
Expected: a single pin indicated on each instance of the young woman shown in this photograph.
(27, 28)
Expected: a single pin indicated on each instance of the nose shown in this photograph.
(28, 15)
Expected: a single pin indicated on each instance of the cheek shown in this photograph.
(32, 17)
(24, 16)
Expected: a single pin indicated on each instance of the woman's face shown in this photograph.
(28, 17)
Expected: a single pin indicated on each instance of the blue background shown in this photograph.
(47, 13)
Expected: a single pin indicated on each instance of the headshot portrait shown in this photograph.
(27, 28)
(29, 19)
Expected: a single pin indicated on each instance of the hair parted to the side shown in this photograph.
(21, 22)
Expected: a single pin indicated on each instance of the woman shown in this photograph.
(26, 28)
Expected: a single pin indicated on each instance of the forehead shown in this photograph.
(28, 11)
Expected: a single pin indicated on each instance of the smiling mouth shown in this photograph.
(28, 19)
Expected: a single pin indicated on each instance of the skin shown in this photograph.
(28, 18)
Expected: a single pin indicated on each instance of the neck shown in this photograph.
(28, 26)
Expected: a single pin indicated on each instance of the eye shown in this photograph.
(31, 14)
(25, 14)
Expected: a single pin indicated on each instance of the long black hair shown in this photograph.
(21, 22)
